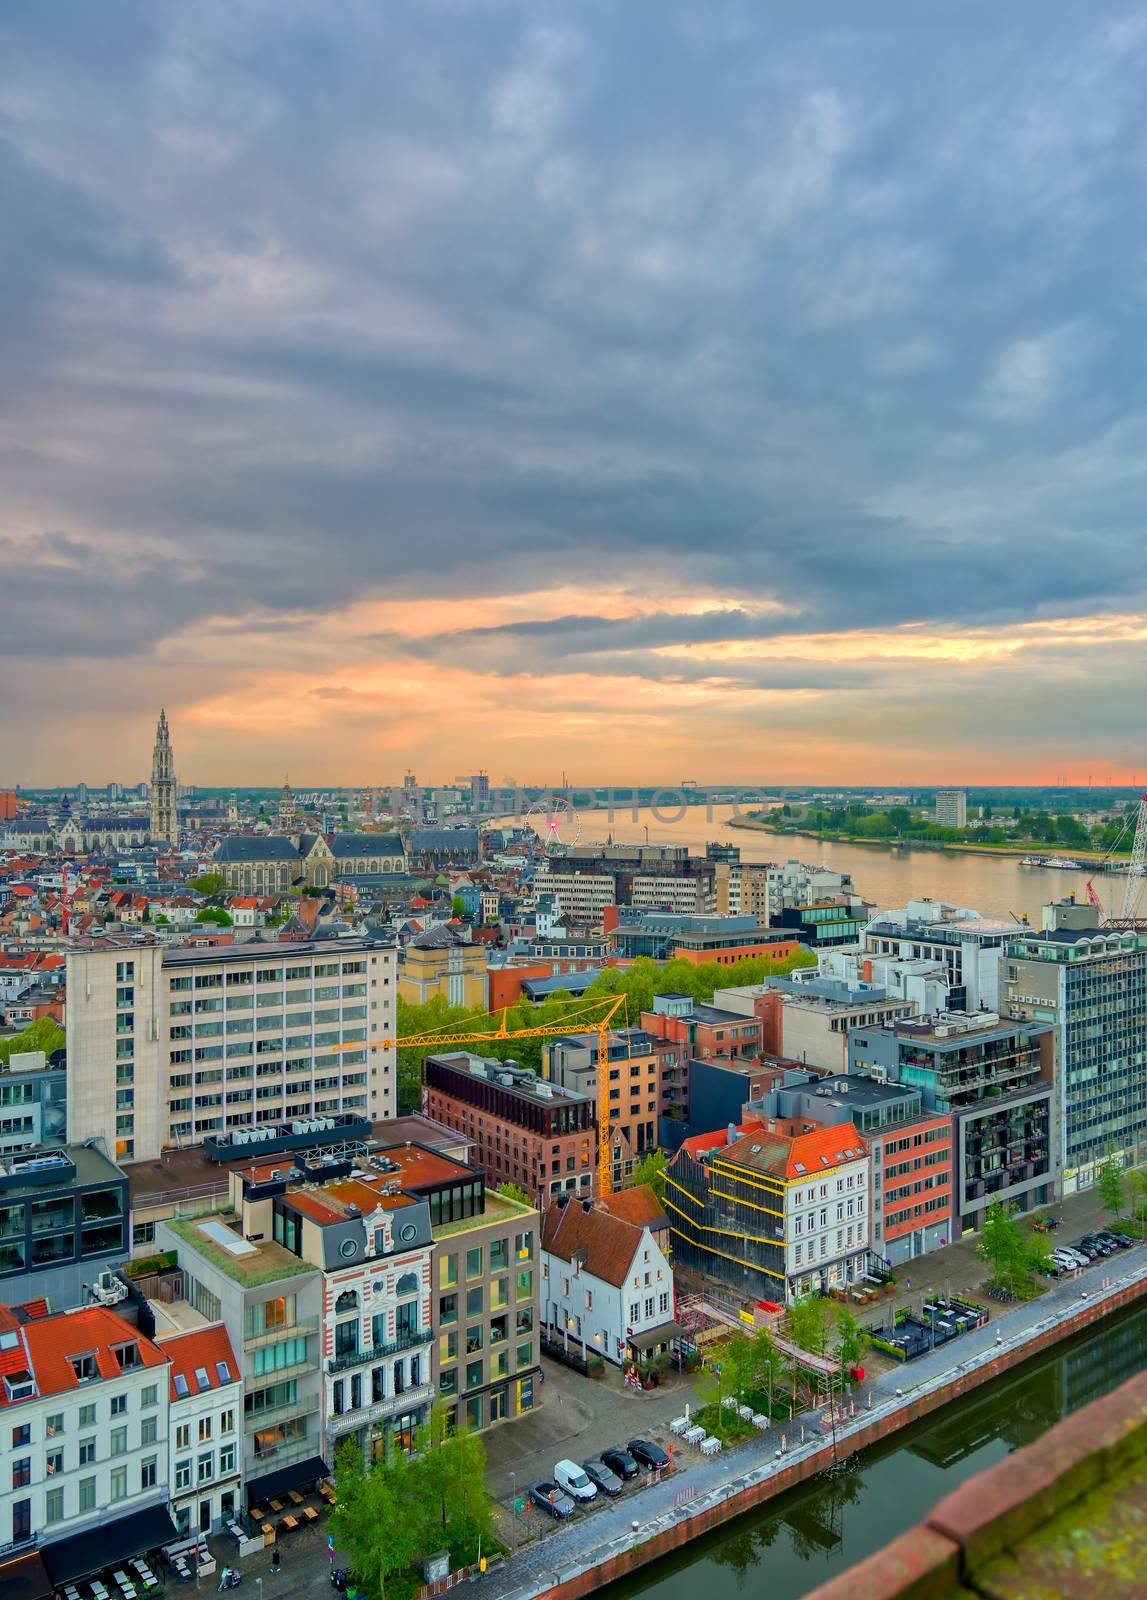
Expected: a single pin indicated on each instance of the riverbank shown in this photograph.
(932, 846)
(705, 1495)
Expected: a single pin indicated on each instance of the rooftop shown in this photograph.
(202, 1360)
(516, 1080)
(607, 1243)
(46, 1346)
(951, 1030)
(246, 1263)
(499, 1208)
(34, 1171)
(264, 950)
(796, 1156)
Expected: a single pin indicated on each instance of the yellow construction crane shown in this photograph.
(594, 1016)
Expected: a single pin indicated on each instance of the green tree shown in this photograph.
(847, 1339)
(371, 1519)
(1113, 1185)
(807, 1320)
(1038, 1253)
(512, 1192)
(215, 914)
(1003, 1248)
(651, 1170)
(44, 1034)
(208, 883)
(447, 1477)
(458, 906)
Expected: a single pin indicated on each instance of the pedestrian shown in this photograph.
(224, 1580)
(276, 1559)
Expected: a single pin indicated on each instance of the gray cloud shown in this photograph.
(834, 309)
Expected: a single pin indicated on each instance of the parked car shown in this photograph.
(648, 1453)
(1097, 1242)
(1080, 1257)
(1122, 1241)
(570, 1477)
(1072, 1259)
(602, 1477)
(620, 1461)
(1091, 1251)
(548, 1497)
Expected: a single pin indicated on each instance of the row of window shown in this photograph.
(244, 978)
(204, 1464)
(55, 1500)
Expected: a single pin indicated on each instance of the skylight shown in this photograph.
(202, 1378)
(181, 1387)
(223, 1372)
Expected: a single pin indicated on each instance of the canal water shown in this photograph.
(996, 886)
(807, 1536)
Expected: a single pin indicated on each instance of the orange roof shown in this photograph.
(53, 1341)
(201, 1351)
(800, 1155)
(638, 1205)
(421, 1166)
(701, 1143)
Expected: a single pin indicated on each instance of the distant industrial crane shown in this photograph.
(593, 1016)
(1133, 882)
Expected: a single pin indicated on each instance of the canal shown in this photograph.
(996, 886)
(805, 1537)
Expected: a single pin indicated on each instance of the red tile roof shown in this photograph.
(701, 1143)
(609, 1243)
(797, 1156)
(52, 1341)
(200, 1349)
(638, 1205)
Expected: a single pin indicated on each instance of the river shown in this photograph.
(997, 886)
(805, 1537)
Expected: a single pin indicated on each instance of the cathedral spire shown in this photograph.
(164, 821)
(286, 809)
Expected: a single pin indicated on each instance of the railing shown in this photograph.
(297, 1330)
(356, 1418)
(376, 1352)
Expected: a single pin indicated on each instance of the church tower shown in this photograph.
(164, 821)
(287, 810)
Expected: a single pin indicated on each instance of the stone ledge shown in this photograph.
(920, 1565)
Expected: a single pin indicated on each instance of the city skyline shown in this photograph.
(621, 392)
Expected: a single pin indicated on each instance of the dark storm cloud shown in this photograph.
(834, 309)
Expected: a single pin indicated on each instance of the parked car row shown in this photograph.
(575, 1482)
(1092, 1247)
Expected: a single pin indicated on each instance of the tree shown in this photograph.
(651, 1170)
(848, 1338)
(1002, 1247)
(1113, 1185)
(807, 1323)
(208, 883)
(215, 914)
(512, 1192)
(448, 1484)
(371, 1519)
(458, 906)
(44, 1034)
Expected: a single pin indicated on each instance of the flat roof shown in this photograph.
(259, 1263)
(90, 1166)
(258, 950)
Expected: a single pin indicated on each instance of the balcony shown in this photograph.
(378, 1352)
(420, 1395)
(297, 1330)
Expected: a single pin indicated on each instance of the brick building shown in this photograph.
(524, 1129)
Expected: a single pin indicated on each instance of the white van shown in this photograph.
(570, 1477)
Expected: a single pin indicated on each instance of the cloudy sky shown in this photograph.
(643, 390)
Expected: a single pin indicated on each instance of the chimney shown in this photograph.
(307, 910)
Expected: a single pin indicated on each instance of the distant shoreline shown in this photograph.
(941, 846)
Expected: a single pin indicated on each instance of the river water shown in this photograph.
(997, 886)
(803, 1538)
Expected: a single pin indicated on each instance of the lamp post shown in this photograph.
(513, 1513)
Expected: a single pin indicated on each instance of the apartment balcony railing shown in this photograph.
(297, 1330)
(378, 1352)
(360, 1416)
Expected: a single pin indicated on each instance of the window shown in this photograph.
(119, 1441)
(54, 1462)
(447, 1309)
(118, 1484)
(226, 1459)
(474, 1302)
(204, 1429)
(474, 1262)
(147, 1473)
(183, 1436)
(447, 1271)
(21, 1519)
(474, 1375)
(206, 1466)
(149, 1396)
(87, 1494)
(149, 1430)
(22, 1472)
(87, 1452)
(21, 1435)
(54, 1424)
(183, 1474)
(119, 1405)
(227, 1421)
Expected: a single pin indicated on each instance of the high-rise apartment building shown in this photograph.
(1090, 984)
(168, 1046)
(951, 808)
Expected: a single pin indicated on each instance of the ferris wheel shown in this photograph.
(554, 822)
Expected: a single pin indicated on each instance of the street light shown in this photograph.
(514, 1513)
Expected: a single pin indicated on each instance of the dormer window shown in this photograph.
(19, 1385)
(84, 1368)
(127, 1355)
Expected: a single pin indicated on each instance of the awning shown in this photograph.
(25, 1578)
(652, 1336)
(109, 1542)
(286, 1479)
